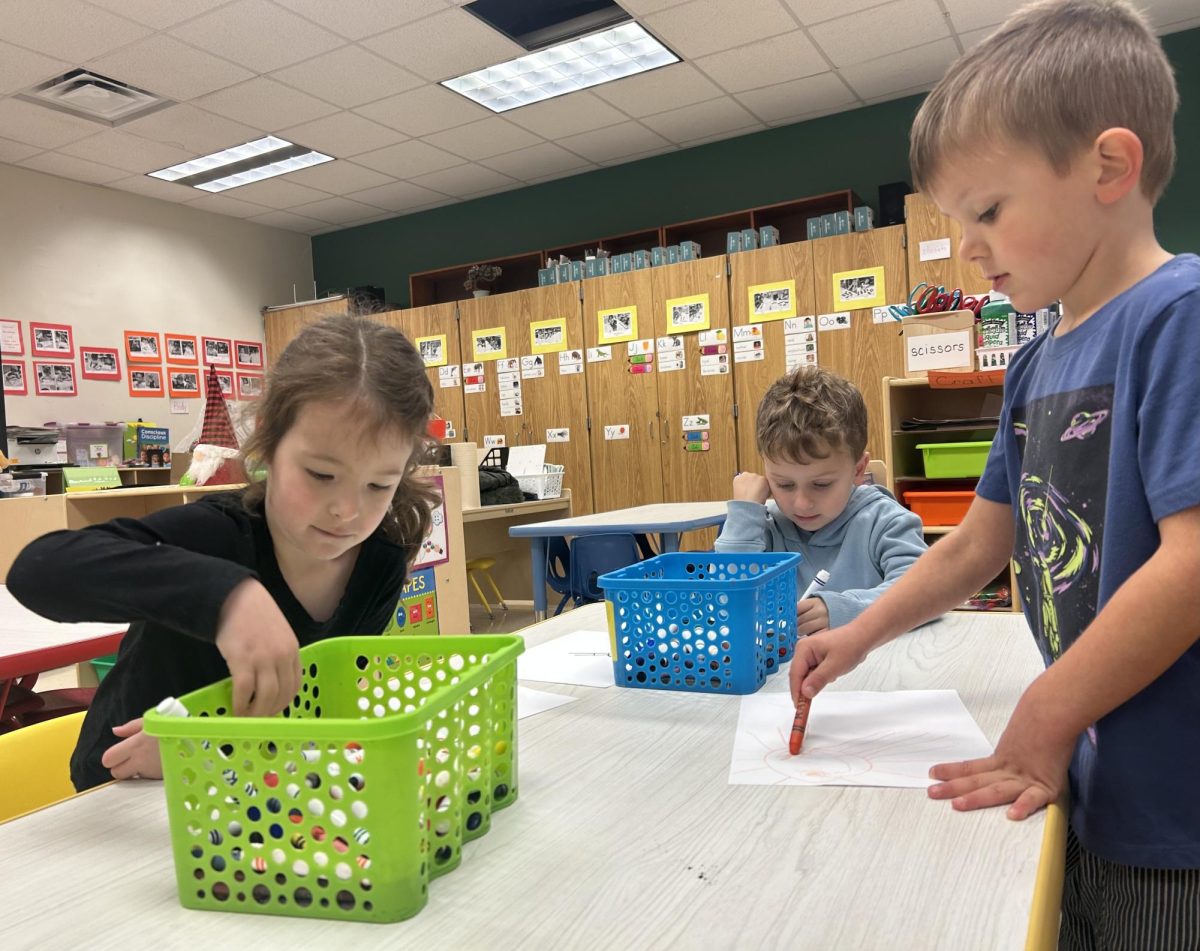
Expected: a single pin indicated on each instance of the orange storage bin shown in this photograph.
(939, 508)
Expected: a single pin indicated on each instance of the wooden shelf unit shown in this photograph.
(914, 398)
(520, 270)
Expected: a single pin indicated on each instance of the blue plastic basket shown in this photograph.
(702, 621)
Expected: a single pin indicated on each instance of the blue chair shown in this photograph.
(594, 555)
(558, 570)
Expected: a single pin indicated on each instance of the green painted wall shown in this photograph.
(857, 149)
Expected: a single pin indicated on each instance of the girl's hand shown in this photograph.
(751, 487)
(811, 616)
(260, 649)
(136, 756)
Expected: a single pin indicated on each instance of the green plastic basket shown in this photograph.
(954, 460)
(394, 753)
(103, 665)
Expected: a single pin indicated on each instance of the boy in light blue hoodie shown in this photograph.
(812, 436)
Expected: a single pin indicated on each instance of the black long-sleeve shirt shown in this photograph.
(168, 576)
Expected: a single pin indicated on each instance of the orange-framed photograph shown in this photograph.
(143, 346)
(225, 380)
(183, 383)
(181, 348)
(249, 386)
(145, 381)
(248, 354)
(52, 341)
(53, 378)
(99, 363)
(217, 351)
(15, 381)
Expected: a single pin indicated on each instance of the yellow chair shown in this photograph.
(482, 565)
(35, 763)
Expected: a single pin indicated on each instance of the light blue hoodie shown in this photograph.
(865, 549)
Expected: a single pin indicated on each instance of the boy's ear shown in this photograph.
(1119, 157)
(860, 468)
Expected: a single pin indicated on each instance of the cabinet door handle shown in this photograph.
(665, 431)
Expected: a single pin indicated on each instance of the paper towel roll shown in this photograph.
(464, 455)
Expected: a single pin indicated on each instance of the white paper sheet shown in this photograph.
(854, 738)
(531, 702)
(581, 658)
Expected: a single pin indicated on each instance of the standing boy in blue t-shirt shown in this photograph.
(1050, 143)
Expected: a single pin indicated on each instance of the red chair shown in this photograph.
(25, 706)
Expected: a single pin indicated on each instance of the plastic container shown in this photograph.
(103, 665)
(939, 508)
(94, 445)
(706, 622)
(394, 753)
(544, 485)
(954, 460)
(22, 486)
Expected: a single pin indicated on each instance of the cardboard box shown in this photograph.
(955, 351)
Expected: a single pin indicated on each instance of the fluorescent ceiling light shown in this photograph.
(242, 164)
(557, 70)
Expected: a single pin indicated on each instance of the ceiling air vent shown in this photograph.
(84, 93)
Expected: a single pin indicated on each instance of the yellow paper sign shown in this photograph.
(548, 336)
(856, 290)
(433, 350)
(774, 301)
(489, 344)
(687, 314)
(618, 324)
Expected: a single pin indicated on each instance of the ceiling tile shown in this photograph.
(640, 8)
(566, 115)
(898, 94)
(975, 37)
(224, 205)
(67, 166)
(154, 188)
(708, 26)
(349, 76)
(967, 15)
(159, 14)
(288, 221)
(355, 19)
(626, 159)
(445, 45)
(342, 134)
(886, 29)
(67, 29)
(667, 87)
(338, 178)
(766, 63)
(920, 66)
(20, 69)
(131, 153)
(399, 196)
(703, 118)
(487, 137)
(614, 142)
(1162, 13)
(193, 129)
(809, 12)
(12, 152)
(408, 159)
(720, 136)
(275, 37)
(1174, 26)
(266, 104)
(800, 97)
(336, 210)
(275, 193)
(164, 66)
(540, 161)
(464, 181)
(424, 110)
(38, 125)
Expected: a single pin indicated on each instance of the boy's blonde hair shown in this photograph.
(811, 414)
(1054, 76)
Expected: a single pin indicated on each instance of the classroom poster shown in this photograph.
(617, 325)
(51, 340)
(416, 610)
(687, 314)
(433, 350)
(11, 344)
(774, 301)
(435, 547)
(490, 343)
(548, 336)
(857, 290)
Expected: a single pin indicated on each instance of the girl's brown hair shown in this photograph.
(373, 368)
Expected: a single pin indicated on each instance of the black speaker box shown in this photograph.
(891, 203)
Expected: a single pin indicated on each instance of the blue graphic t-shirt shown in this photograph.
(1097, 442)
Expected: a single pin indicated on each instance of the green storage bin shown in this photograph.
(394, 753)
(102, 665)
(954, 460)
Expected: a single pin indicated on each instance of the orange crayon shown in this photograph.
(799, 724)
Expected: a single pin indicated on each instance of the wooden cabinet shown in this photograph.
(925, 223)
(786, 262)
(866, 351)
(432, 322)
(909, 399)
(549, 398)
(281, 324)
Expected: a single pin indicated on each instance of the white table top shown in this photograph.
(23, 632)
(626, 835)
(661, 517)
